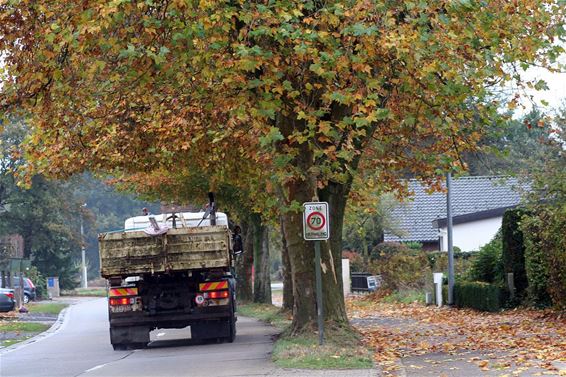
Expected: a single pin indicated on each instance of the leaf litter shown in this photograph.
(514, 339)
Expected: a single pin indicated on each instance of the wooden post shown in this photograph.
(511, 284)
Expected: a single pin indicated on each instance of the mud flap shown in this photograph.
(129, 335)
(210, 330)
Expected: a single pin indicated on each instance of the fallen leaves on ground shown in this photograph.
(8, 315)
(522, 337)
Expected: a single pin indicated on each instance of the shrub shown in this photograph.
(356, 260)
(39, 281)
(414, 245)
(479, 295)
(513, 248)
(402, 271)
(385, 249)
(487, 265)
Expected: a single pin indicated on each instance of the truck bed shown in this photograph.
(134, 252)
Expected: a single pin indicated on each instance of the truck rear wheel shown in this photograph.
(232, 321)
(230, 338)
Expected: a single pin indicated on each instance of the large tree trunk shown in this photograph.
(331, 253)
(287, 275)
(262, 282)
(263, 294)
(301, 252)
(244, 265)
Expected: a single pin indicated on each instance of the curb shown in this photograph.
(60, 323)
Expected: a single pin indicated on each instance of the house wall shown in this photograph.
(472, 235)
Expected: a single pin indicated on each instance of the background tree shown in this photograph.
(511, 146)
(45, 214)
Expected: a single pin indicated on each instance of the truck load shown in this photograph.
(171, 270)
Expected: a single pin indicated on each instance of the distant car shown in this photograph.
(7, 302)
(29, 289)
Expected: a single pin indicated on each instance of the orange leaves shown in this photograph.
(523, 338)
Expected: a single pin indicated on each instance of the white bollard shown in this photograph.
(437, 276)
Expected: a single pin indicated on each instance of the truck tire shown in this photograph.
(232, 321)
(230, 338)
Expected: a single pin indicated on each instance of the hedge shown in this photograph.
(487, 265)
(480, 296)
(536, 261)
(513, 248)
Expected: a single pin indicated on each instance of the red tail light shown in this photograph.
(120, 301)
(9, 294)
(218, 294)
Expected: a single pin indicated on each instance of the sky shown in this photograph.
(556, 93)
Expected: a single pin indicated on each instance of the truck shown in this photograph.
(170, 270)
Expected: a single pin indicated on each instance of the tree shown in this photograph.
(46, 214)
(511, 146)
(309, 91)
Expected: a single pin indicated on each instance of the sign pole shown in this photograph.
(315, 228)
(320, 313)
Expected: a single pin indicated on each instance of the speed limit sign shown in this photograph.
(315, 221)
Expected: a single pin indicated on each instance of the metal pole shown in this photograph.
(320, 313)
(84, 283)
(450, 241)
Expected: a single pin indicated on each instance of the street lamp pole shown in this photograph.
(450, 239)
(83, 253)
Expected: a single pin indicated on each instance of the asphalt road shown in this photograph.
(81, 347)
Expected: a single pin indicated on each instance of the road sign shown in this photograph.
(315, 221)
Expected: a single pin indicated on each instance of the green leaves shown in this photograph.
(274, 135)
(130, 52)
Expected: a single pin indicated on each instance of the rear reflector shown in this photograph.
(218, 294)
(213, 285)
(121, 301)
(122, 292)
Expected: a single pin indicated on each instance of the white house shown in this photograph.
(478, 204)
(470, 231)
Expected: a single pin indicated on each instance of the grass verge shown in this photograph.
(86, 292)
(304, 352)
(266, 313)
(23, 326)
(48, 308)
(19, 331)
(341, 350)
